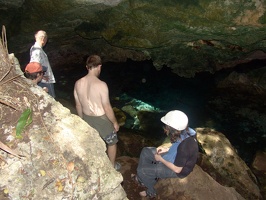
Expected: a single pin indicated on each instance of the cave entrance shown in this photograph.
(139, 83)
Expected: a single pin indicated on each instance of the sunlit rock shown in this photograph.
(197, 185)
(225, 166)
(57, 156)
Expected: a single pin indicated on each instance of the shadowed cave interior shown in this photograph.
(166, 91)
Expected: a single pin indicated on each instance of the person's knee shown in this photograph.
(145, 151)
(139, 171)
(111, 145)
(111, 139)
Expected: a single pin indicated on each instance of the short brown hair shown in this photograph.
(93, 61)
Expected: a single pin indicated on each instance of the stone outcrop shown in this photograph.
(198, 185)
(52, 154)
(222, 162)
(259, 169)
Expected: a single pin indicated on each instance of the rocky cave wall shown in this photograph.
(187, 36)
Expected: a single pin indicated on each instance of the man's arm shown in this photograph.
(170, 165)
(107, 106)
(78, 104)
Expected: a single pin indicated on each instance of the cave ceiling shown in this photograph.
(188, 36)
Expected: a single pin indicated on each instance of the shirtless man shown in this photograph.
(93, 105)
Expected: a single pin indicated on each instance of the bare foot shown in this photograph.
(143, 194)
(136, 180)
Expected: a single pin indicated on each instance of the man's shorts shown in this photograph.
(104, 126)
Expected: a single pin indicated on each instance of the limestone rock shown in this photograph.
(259, 162)
(259, 169)
(229, 168)
(198, 185)
(57, 155)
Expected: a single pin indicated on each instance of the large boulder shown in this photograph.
(47, 152)
(222, 162)
(198, 185)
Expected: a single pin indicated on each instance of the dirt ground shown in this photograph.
(132, 189)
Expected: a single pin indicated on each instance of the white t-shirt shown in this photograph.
(38, 55)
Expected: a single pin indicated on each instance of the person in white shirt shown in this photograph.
(37, 54)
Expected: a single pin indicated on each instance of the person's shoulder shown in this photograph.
(190, 139)
(98, 81)
(191, 131)
(79, 81)
(102, 82)
(101, 86)
(35, 49)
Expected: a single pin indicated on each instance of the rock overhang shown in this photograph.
(187, 36)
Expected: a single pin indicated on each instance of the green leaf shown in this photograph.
(24, 120)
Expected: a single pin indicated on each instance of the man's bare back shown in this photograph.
(91, 92)
(92, 99)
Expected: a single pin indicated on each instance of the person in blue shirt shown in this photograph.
(177, 161)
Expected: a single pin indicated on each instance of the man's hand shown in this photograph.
(45, 89)
(116, 127)
(158, 157)
(46, 78)
(161, 150)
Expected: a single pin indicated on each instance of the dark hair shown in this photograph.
(172, 133)
(32, 76)
(93, 61)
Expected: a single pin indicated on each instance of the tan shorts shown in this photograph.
(104, 126)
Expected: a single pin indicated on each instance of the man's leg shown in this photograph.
(111, 152)
(146, 170)
(149, 170)
(51, 89)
